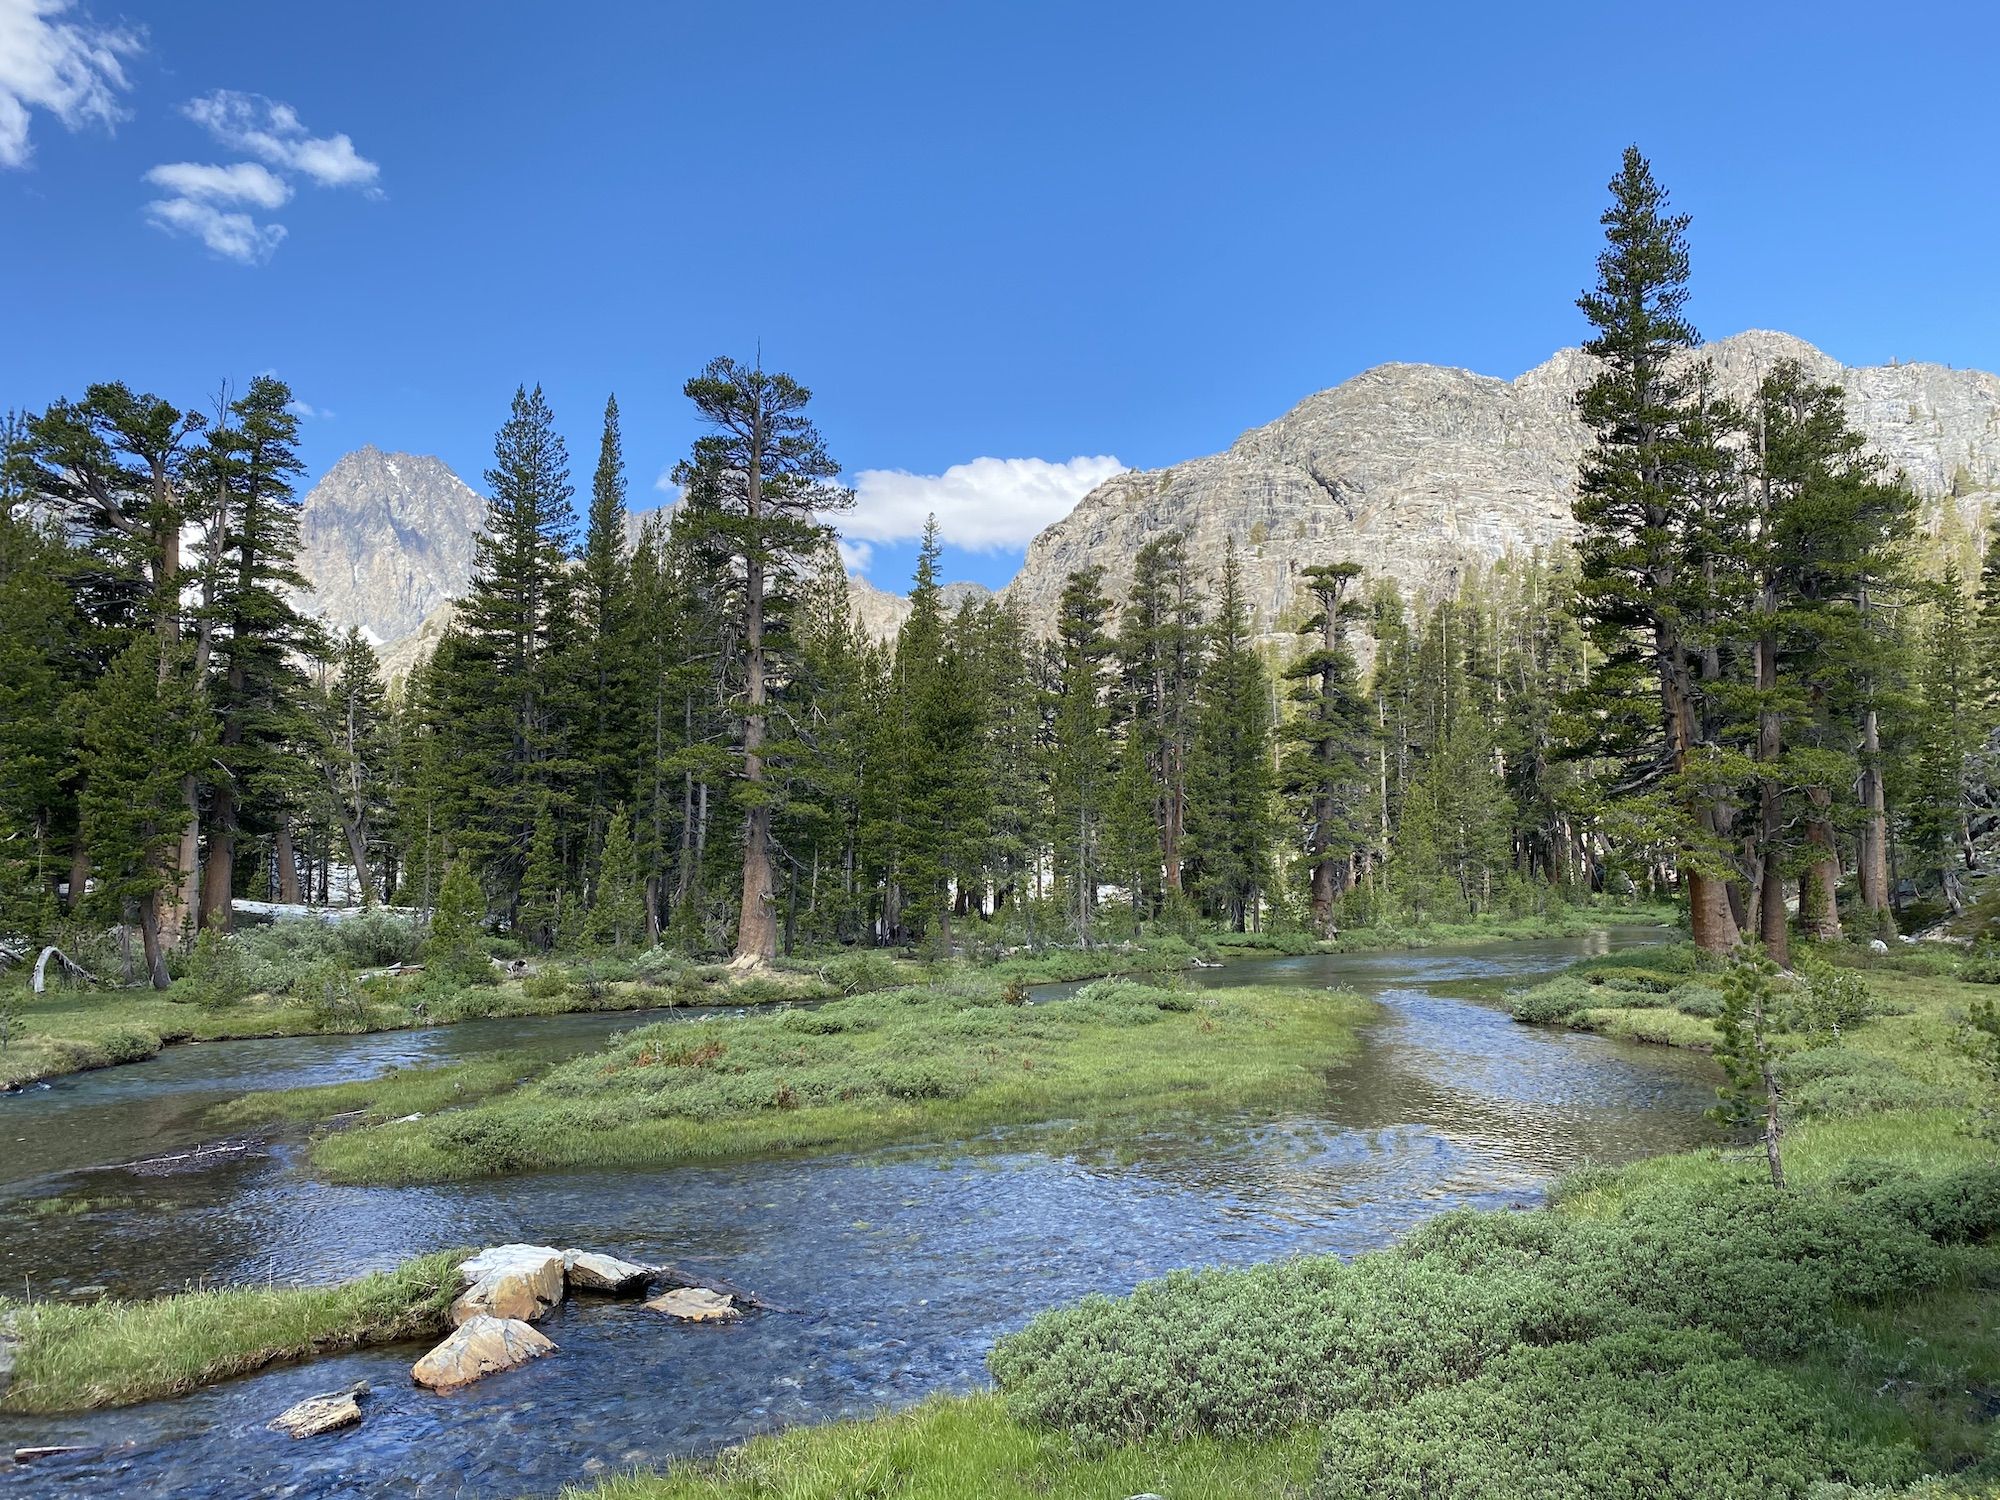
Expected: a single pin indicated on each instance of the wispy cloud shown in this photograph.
(73, 69)
(987, 505)
(234, 236)
(239, 182)
(855, 556)
(307, 412)
(273, 132)
(205, 195)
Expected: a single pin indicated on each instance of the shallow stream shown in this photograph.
(901, 1267)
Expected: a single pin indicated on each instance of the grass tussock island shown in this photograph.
(1673, 1330)
(920, 1063)
(76, 1356)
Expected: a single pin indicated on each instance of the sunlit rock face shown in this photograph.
(386, 539)
(1416, 471)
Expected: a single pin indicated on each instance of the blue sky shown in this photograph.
(1028, 232)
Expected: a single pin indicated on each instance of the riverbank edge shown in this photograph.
(74, 1357)
(947, 1446)
(127, 1026)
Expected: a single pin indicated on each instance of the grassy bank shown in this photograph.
(72, 1357)
(388, 1096)
(1675, 1328)
(929, 1063)
(71, 1031)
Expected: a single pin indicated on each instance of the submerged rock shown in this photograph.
(510, 1281)
(696, 1304)
(591, 1272)
(318, 1414)
(480, 1347)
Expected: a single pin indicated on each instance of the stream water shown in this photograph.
(900, 1267)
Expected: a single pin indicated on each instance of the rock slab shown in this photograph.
(480, 1347)
(696, 1304)
(318, 1414)
(589, 1271)
(520, 1282)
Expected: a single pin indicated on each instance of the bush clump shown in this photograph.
(1260, 1351)
(1651, 1414)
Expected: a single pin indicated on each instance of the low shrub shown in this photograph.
(1833, 1082)
(546, 985)
(376, 939)
(1647, 1415)
(1259, 1351)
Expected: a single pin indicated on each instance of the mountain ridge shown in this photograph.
(1415, 471)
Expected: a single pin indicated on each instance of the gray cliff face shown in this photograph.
(387, 538)
(1416, 471)
(880, 613)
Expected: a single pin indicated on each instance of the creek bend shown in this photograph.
(903, 1265)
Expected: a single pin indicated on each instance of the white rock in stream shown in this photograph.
(695, 1304)
(589, 1271)
(318, 1414)
(481, 1347)
(510, 1281)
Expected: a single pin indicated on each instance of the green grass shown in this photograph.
(390, 1096)
(73, 1357)
(968, 1448)
(942, 1062)
(70, 1031)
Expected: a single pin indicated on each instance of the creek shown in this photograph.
(900, 1267)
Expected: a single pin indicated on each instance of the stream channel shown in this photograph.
(901, 1266)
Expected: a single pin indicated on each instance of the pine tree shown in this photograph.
(41, 666)
(453, 949)
(253, 577)
(1326, 770)
(495, 675)
(346, 714)
(145, 730)
(1988, 627)
(942, 800)
(762, 477)
(607, 673)
(1079, 753)
(1230, 822)
(1651, 530)
(1160, 643)
(1948, 730)
(542, 899)
(1752, 1094)
(617, 910)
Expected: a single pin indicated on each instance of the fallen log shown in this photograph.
(75, 968)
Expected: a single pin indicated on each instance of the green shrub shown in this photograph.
(860, 972)
(1647, 1415)
(547, 985)
(1559, 1000)
(376, 939)
(331, 995)
(218, 974)
(1242, 1353)
(1697, 999)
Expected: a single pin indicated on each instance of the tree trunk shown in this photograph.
(1773, 1129)
(757, 917)
(1771, 925)
(1819, 889)
(79, 873)
(218, 876)
(288, 864)
(149, 939)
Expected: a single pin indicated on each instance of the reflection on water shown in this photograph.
(900, 1267)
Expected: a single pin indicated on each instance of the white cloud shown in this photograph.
(274, 133)
(305, 411)
(987, 505)
(239, 182)
(855, 556)
(235, 236)
(666, 486)
(72, 69)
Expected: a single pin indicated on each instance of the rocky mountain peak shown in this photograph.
(386, 538)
